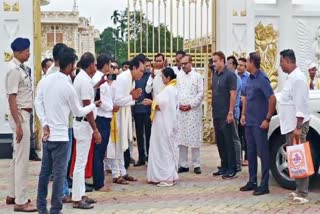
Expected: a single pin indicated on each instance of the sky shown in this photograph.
(100, 11)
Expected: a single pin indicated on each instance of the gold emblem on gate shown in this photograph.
(13, 7)
(7, 56)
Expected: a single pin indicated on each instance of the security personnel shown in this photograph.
(258, 107)
(19, 92)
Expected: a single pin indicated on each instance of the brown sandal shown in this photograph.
(120, 180)
(89, 200)
(129, 178)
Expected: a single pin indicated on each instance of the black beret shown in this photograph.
(20, 44)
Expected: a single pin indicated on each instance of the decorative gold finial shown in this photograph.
(16, 7)
(243, 13)
(6, 6)
(234, 13)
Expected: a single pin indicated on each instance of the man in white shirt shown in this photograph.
(104, 116)
(294, 113)
(55, 52)
(154, 83)
(313, 80)
(179, 55)
(55, 99)
(83, 128)
(55, 68)
(45, 65)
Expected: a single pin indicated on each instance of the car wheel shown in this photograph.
(279, 164)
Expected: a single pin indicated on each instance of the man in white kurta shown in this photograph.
(190, 95)
(125, 97)
(154, 83)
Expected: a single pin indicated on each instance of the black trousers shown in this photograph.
(143, 132)
(103, 125)
(33, 153)
(224, 138)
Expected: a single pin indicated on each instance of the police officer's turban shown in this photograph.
(20, 44)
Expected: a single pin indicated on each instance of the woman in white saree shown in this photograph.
(162, 162)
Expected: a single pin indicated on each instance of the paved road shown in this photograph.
(193, 194)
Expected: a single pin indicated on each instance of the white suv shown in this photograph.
(278, 157)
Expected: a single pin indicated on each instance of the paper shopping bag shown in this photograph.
(300, 162)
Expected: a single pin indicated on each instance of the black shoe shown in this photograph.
(230, 175)
(249, 187)
(140, 163)
(219, 172)
(132, 161)
(35, 158)
(183, 169)
(197, 170)
(89, 188)
(261, 191)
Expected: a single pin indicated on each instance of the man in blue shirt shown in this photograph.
(232, 65)
(258, 107)
(244, 75)
(141, 114)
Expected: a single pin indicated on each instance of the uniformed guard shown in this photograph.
(19, 92)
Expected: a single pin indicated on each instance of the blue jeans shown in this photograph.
(66, 191)
(103, 124)
(54, 159)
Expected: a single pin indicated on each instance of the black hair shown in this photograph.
(148, 60)
(57, 50)
(288, 54)
(67, 56)
(221, 55)
(255, 58)
(86, 60)
(243, 59)
(180, 52)
(189, 57)
(102, 60)
(135, 62)
(234, 60)
(142, 57)
(44, 62)
(159, 55)
(168, 72)
(125, 63)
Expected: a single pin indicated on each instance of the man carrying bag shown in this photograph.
(294, 117)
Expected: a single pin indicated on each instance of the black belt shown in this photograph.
(79, 119)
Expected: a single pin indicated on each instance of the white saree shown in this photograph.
(162, 162)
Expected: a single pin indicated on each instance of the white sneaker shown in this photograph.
(299, 201)
(292, 195)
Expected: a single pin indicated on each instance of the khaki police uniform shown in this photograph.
(18, 81)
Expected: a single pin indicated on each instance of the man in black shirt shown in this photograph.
(224, 91)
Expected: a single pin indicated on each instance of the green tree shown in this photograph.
(114, 41)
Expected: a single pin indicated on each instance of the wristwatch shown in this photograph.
(268, 119)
